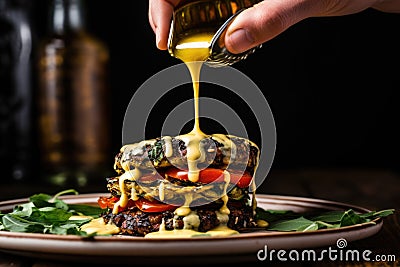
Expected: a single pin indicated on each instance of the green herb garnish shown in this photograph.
(288, 221)
(48, 215)
(156, 153)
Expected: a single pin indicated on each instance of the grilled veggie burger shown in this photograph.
(177, 183)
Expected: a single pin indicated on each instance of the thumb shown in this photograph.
(263, 22)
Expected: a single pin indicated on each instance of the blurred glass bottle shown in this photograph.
(16, 130)
(73, 99)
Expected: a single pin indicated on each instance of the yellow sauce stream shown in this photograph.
(123, 200)
(193, 51)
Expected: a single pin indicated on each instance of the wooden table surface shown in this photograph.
(374, 189)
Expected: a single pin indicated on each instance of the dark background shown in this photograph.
(331, 83)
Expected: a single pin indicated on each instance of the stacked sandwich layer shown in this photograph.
(155, 189)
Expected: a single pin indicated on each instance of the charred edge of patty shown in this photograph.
(134, 222)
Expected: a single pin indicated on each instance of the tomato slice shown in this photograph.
(146, 205)
(206, 176)
(241, 178)
(107, 202)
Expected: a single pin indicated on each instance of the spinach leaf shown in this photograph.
(375, 214)
(14, 223)
(156, 153)
(286, 220)
(308, 227)
(274, 215)
(298, 224)
(24, 209)
(351, 218)
(48, 214)
(66, 229)
(329, 216)
(87, 210)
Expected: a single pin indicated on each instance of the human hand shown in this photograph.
(267, 19)
(160, 15)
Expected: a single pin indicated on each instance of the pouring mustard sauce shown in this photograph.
(193, 51)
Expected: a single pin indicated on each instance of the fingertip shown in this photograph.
(161, 46)
(161, 42)
(239, 41)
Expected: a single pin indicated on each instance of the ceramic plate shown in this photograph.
(232, 248)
